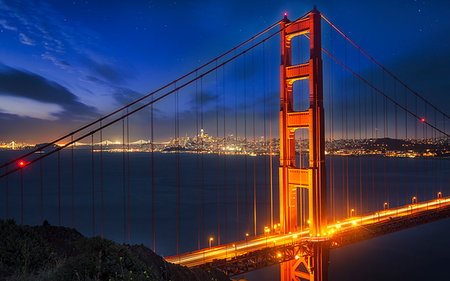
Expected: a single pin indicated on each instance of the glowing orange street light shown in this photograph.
(210, 240)
(386, 205)
(352, 212)
(439, 194)
(246, 240)
(414, 200)
(266, 231)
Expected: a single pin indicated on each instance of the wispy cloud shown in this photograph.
(26, 40)
(5, 25)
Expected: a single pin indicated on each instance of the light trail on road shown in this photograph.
(234, 250)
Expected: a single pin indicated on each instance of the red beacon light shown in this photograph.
(21, 164)
(285, 14)
(422, 119)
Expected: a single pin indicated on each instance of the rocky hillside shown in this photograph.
(59, 253)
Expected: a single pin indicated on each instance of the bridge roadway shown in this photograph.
(338, 230)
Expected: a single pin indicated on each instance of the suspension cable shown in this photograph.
(387, 71)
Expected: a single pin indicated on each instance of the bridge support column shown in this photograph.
(313, 263)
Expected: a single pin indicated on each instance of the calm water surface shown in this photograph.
(415, 254)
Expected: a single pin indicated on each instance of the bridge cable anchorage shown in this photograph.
(383, 68)
(142, 98)
(124, 116)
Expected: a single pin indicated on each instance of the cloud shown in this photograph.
(106, 71)
(205, 98)
(25, 107)
(61, 63)
(125, 96)
(20, 84)
(6, 26)
(26, 40)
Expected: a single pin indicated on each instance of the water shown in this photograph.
(394, 181)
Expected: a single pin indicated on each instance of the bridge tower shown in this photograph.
(312, 263)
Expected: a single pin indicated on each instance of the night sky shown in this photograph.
(64, 63)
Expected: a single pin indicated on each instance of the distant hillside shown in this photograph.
(59, 253)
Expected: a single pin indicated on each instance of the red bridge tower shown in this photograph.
(311, 264)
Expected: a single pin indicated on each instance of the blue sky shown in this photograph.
(63, 63)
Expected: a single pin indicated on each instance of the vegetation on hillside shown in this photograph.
(58, 253)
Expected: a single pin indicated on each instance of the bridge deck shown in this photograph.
(265, 250)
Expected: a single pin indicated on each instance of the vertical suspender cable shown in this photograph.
(124, 184)
(396, 158)
(41, 191)
(6, 194)
(270, 143)
(235, 152)
(408, 142)
(93, 184)
(177, 171)
(59, 188)
(246, 187)
(202, 159)
(101, 179)
(153, 176)
(254, 147)
(73, 184)
(217, 159)
(266, 216)
(128, 178)
(360, 141)
(197, 143)
(21, 196)
(225, 156)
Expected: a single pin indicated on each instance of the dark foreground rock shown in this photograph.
(59, 253)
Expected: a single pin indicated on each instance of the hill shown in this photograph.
(59, 253)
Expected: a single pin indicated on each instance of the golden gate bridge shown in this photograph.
(328, 181)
